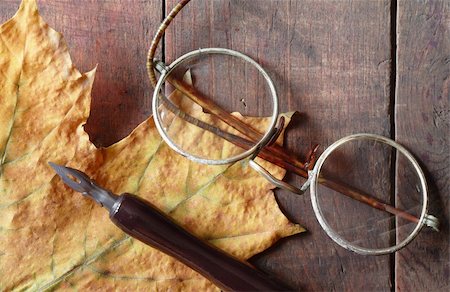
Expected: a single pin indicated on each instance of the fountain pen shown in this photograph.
(145, 222)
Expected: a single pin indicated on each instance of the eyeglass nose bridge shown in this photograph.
(279, 183)
(275, 133)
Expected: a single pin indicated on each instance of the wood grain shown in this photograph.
(114, 36)
(422, 123)
(331, 62)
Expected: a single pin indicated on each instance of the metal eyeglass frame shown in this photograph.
(313, 175)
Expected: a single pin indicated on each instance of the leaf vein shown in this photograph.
(198, 192)
(8, 139)
(85, 263)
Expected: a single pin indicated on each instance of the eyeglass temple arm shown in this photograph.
(157, 38)
(430, 220)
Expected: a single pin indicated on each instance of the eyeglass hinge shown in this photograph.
(431, 221)
(160, 66)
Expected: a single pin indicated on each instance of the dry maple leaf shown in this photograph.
(51, 237)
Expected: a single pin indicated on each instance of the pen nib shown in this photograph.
(82, 183)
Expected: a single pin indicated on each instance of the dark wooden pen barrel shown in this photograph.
(143, 221)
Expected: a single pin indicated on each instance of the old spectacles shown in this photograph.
(354, 172)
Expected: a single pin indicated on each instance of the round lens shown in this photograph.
(207, 104)
(369, 194)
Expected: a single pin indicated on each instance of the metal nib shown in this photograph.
(82, 183)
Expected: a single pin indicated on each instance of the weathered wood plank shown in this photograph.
(115, 35)
(422, 124)
(331, 62)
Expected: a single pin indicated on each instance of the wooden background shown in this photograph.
(374, 66)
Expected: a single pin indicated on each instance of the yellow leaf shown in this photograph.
(51, 237)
